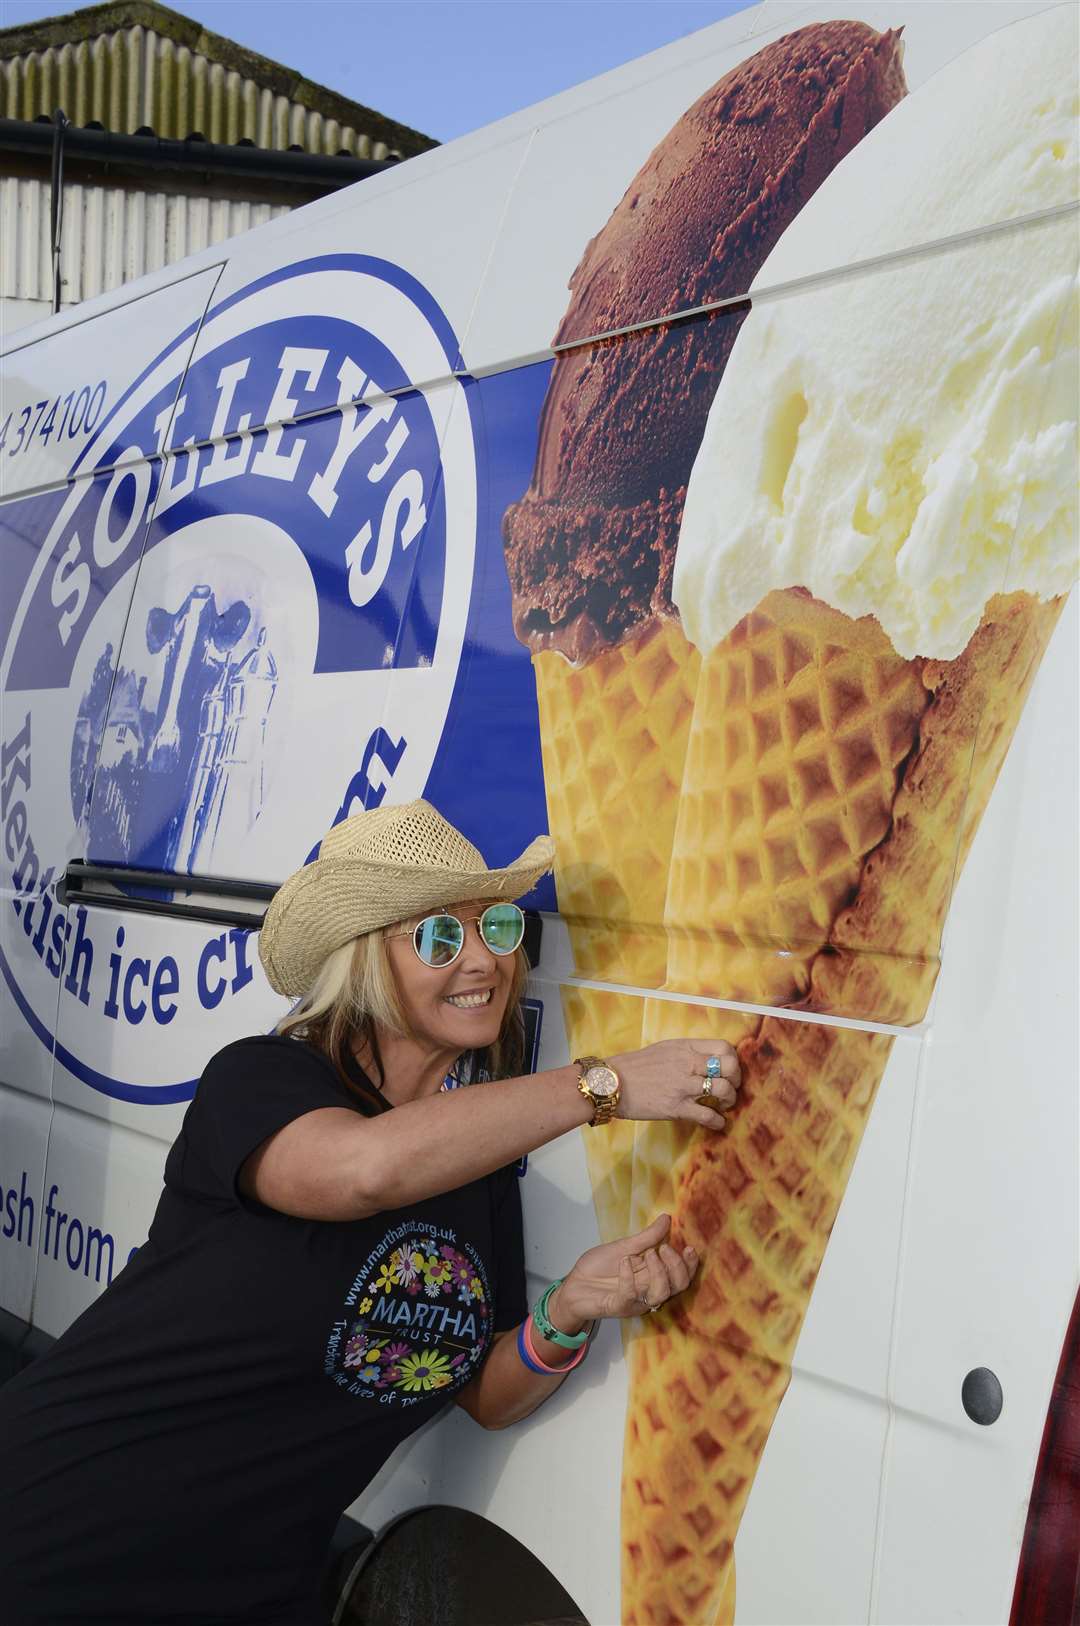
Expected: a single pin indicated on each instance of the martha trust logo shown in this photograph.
(416, 1320)
(244, 623)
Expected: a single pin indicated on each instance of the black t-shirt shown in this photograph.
(184, 1451)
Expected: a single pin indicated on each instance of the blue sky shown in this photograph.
(442, 66)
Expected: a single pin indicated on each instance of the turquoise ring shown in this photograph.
(712, 1067)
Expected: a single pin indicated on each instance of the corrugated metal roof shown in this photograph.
(110, 235)
(136, 64)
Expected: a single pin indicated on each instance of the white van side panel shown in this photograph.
(97, 356)
(301, 609)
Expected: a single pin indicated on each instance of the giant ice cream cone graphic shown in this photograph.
(590, 547)
(871, 589)
(760, 1202)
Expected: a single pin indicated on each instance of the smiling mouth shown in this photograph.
(470, 1002)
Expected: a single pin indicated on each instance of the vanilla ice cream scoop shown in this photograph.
(901, 439)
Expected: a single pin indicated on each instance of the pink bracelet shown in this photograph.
(530, 1349)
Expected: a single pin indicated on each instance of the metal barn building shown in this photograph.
(172, 138)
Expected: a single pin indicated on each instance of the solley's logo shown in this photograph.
(245, 623)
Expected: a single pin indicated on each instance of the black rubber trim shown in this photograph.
(96, 886)
(82, 875)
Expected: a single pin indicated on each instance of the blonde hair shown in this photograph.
(354, 995)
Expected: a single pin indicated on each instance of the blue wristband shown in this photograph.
(526, 1357)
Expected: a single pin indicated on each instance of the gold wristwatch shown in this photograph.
(599, 1083)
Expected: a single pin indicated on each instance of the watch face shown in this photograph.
(601, 1081)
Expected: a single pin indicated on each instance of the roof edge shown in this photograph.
(67, 28)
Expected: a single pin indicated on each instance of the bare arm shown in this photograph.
(617, 1279)
(505, 1390)
(332, 1164)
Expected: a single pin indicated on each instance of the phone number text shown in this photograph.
(77, 412)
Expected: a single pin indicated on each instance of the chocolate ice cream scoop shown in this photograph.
(591, 545)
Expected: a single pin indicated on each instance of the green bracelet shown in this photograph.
(546, 1328)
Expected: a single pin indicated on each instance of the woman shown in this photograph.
(336, 1255)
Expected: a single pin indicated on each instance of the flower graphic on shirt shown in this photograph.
(360, 1351)
(428, 1369)
(436, 1272)
(408, 1264)
(476, 1288)
(461, 1272)
(355, 1349)
(365, 1306)
(389, 1357)
(387, 1277)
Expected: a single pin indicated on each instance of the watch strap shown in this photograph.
(603, 1109)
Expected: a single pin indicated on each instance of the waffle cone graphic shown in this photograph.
(759, 1202)
(614, 734)
(615, 728)
(599, 1022)
(804, 721)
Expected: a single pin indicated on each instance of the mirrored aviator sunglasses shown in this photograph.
(439, 939)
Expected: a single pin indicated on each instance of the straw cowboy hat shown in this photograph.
(374, 869)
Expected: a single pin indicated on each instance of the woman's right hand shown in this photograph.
(667, 1080)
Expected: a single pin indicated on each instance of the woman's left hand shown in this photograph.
(633, 1276)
